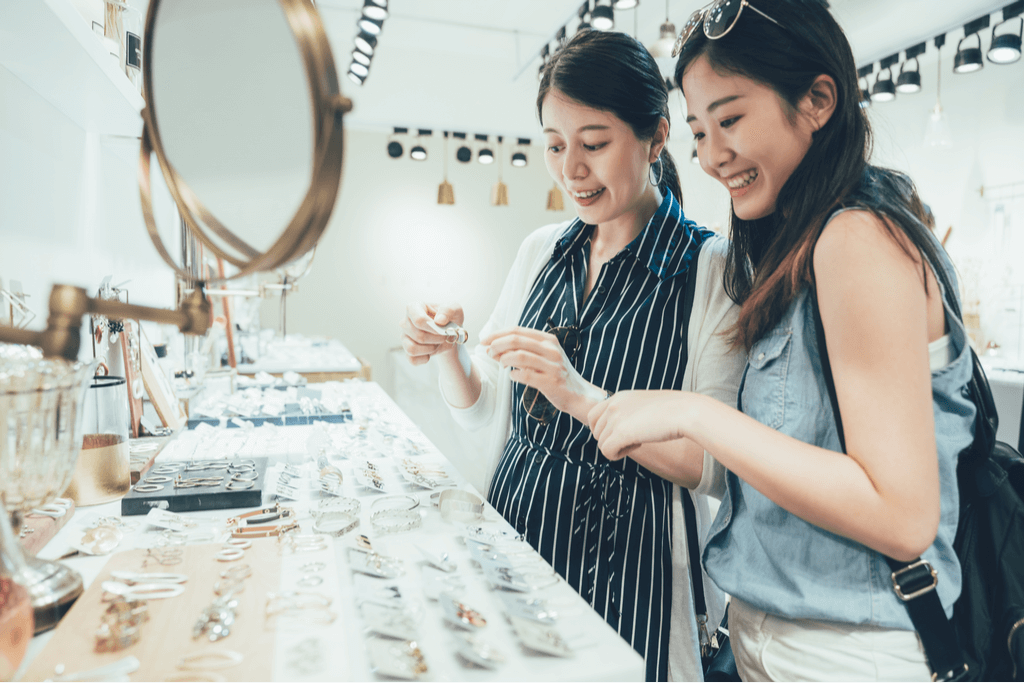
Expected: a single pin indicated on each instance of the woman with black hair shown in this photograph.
(590, 307)
(804, 528)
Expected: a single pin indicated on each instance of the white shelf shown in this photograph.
(49, 46)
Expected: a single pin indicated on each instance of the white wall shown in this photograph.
(389, 243)
(69, 205)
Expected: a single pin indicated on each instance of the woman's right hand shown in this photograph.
(421, 342)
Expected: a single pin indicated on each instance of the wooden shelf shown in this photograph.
(49, 46)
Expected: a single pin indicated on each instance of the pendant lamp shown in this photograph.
(937, 133)
(555, 202)
(445, 191)
(499, 193)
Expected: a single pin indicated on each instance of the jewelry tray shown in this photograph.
(167, 635)
(197, 498)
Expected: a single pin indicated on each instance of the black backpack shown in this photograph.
(985, 638)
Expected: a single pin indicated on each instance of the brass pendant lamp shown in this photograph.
(499, 193)
(555, 202)
(445, 191)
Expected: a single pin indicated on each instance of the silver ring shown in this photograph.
(238, 485)
(160, 479)
(242, 543)
(310, 580)
(237, 476)
(408, 503)
(312, 567)
(148, 488)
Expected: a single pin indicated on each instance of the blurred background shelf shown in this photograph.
(49, 46)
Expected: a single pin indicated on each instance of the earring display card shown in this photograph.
(199, 485)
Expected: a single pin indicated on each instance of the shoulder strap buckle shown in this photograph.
(914, 580)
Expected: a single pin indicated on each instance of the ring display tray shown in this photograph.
(167, 636)
(291, 418)
(187, 499)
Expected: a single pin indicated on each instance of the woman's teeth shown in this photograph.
(742, 180)
(585, 195)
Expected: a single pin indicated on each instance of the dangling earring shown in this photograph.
(661, 171)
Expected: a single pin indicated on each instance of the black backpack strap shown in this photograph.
(914, 582)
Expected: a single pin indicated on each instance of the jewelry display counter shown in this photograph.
(371, 559)
(318, 360)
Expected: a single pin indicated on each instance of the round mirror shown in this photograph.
(244, 117)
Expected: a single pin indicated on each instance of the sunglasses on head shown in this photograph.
(718, 18)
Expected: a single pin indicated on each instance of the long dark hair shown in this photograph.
(614, 72)
(770, 259)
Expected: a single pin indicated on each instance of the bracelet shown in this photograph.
(335, 524)
(349, 506)
(394, 521)
(264, 531)
(267, 514)
(460, 506)
(394, 503)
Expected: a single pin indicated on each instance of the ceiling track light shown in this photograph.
(485, 155)
(375, 10)
(969, 59)
(395, 148)
(360, 58)
(359, 69)
(519, 157)
(419, 152)
(1006, 48)
(356, 78)
(884, 90)
(366, 43)
(464, 154)
(625, 4)
(603, 17)
(909, 82)
(371, 26)
(584, 15)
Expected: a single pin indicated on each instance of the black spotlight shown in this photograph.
(359, 69)
(519, 158)
(584, 13)
(485, 155)
(394, 146)
(375, 9)
(419, 152)
(1005, 49)
(909, 81)
(360, 57)
(366, 43)
(603, 18)
(884, 90)
(463, 153)
(371, 26)
(968, 59)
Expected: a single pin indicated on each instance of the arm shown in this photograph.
(714, 368)
(876, 318)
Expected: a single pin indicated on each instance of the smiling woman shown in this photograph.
(594, 306)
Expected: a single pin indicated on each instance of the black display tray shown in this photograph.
(196, 498)
(293, 415)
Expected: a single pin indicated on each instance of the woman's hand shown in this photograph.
(538, 360)
(631, 418)
(420, 341)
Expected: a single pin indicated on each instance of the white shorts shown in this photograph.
(771, 648)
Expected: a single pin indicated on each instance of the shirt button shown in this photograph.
(760, 356)
(600, 289)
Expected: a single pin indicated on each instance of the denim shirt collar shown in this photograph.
(665, 246)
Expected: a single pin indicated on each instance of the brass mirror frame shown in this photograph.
(311, 218)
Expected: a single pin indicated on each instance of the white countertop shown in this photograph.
(600, 654)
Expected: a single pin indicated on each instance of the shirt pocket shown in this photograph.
(764, 390)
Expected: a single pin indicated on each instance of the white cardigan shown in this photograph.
(712, 368)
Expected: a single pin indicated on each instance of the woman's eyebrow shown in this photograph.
(715, 105)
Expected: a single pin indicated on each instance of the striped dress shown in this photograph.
(605, 526)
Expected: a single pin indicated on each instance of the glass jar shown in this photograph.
(103, 472)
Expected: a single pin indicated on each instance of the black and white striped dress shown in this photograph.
(605, 526)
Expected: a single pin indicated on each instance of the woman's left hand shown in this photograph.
(539, 361)
(631, 418)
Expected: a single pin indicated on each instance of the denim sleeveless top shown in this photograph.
(785, 566)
